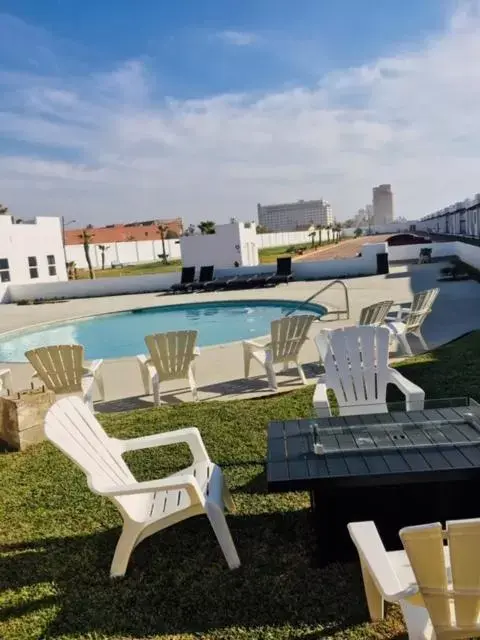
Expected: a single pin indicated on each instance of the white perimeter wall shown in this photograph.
(148, 250)
(366, 265)
(123, 252)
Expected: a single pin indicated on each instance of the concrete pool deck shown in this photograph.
(220, 368)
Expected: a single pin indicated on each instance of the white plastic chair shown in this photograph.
(61, 368)
(375, 314)
(172, 357)
(437, 586)
(288, 335)
(356, 369)
(150, 506)
(411, 318)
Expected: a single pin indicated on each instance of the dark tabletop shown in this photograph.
(448, 446)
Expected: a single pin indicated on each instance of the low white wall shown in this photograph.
(125, 252)
(148, 250)
(412, 251)
(468, 253)
(365, 265)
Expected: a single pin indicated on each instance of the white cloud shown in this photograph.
(106, 149)
(238, 38)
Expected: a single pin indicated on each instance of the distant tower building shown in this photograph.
(295, 216)
(382, 204)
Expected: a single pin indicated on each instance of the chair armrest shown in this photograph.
(374, 557)
(414, 395)
(196, 351)
(143, 359)
(321, 404)
(93, 368)
(191, 436)
(187, 482)
(251, 345)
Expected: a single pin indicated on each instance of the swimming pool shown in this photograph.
(115, 335)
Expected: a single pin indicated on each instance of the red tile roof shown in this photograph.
(124, 232)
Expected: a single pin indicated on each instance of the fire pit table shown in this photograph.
(398, 468)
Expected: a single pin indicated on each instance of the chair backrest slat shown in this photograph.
(356, 363)
(451, 596)
(206, 273)
(288, 336)
(375, 314)
(172, 352)
(188, 275)
(284, 266)
(59, 367)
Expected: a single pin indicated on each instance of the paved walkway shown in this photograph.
(220, 369)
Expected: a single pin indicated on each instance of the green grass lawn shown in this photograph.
(57, 538)
(143, 269)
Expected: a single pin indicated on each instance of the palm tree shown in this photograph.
(338, 229)
(86, 238)
(103, 248)
(207, 227)
(163, 228)
(3, 210)
(320, 228)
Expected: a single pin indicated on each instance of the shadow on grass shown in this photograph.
(178, 581)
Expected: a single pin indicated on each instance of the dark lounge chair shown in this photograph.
(284, 271)
(205, 276)
(186, 281)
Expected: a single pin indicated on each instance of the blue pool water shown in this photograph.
(117, 335)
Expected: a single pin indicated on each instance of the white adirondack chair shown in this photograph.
(375, 314)
(356, 369)
(172, 357)
(410, 319)
(288, 335)
(436, 585)
(61, 368)
(5, 380)
(149, 506)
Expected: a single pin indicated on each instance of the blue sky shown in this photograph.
(204, 108)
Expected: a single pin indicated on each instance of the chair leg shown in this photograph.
(374, 598)
(402, 338)
(422, 339)
(222, 532)
(246, 362)
(125, 545)
(100, 385)
(145, 373)
(193, 383)
(156, 390)
(272, 378)
(301, 373)
(88, 399)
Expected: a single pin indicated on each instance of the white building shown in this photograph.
(382, 204)
(461, 218)
(295, 216)
(31, 251)
(232, 245)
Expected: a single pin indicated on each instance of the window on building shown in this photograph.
(33, 266)
(4, 270)
(52, 269)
